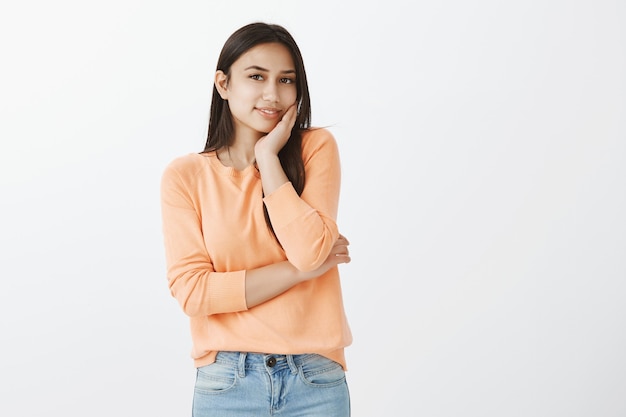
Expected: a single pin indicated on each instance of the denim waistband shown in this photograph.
(266, 361)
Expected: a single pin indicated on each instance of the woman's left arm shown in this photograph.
(306, 225)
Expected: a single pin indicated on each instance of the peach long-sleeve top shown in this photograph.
(214, 230)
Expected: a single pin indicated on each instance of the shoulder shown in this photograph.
(317, 135)
(184, 168)
(318, 139)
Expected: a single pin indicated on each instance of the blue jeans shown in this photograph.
(255, 385)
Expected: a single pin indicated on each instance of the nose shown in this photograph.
(270, 92)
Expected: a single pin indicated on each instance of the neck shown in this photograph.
(237, 156)
(240, 153)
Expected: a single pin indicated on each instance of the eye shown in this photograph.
(287, 80)
(257, 77)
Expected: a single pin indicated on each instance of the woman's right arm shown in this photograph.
(267, 282)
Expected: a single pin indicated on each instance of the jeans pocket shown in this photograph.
(215, 378)
(322, 372)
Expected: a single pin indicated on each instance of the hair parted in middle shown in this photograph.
(221, 129)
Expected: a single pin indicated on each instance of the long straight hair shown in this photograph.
(221, 128)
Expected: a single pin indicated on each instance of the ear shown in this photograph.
(221, 84)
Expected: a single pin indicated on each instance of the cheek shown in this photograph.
(290, 95)
(240, 99)
(247, 94)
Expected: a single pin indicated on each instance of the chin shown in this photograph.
(266, 129)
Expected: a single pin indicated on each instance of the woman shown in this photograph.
(251, 241)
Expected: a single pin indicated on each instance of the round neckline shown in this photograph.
(226, 170)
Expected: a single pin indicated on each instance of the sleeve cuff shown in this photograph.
(228, 292)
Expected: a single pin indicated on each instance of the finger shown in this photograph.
(293, 108)
(343, 259)
(290, 115)
(286, 123)
(340, 250)
(342, 241)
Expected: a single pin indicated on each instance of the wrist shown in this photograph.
(266, 158)
(298, 275)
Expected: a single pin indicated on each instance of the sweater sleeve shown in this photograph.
(306, 225)
(198, 288)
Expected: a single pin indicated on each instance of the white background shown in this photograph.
(483, 147)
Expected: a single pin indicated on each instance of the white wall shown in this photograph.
(484, 157)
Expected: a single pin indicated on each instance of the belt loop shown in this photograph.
(292, 364)
(241, 366)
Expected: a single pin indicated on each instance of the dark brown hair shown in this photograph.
(221, 128)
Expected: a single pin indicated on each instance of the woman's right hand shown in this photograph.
(339, 254)
(268, 281)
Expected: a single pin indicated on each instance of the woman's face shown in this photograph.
(261, 87)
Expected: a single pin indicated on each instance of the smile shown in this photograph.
(269, 113)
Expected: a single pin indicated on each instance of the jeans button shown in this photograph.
(271, 361)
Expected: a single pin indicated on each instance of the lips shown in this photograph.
(269, 112)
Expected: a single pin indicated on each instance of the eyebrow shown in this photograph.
(256, 67)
